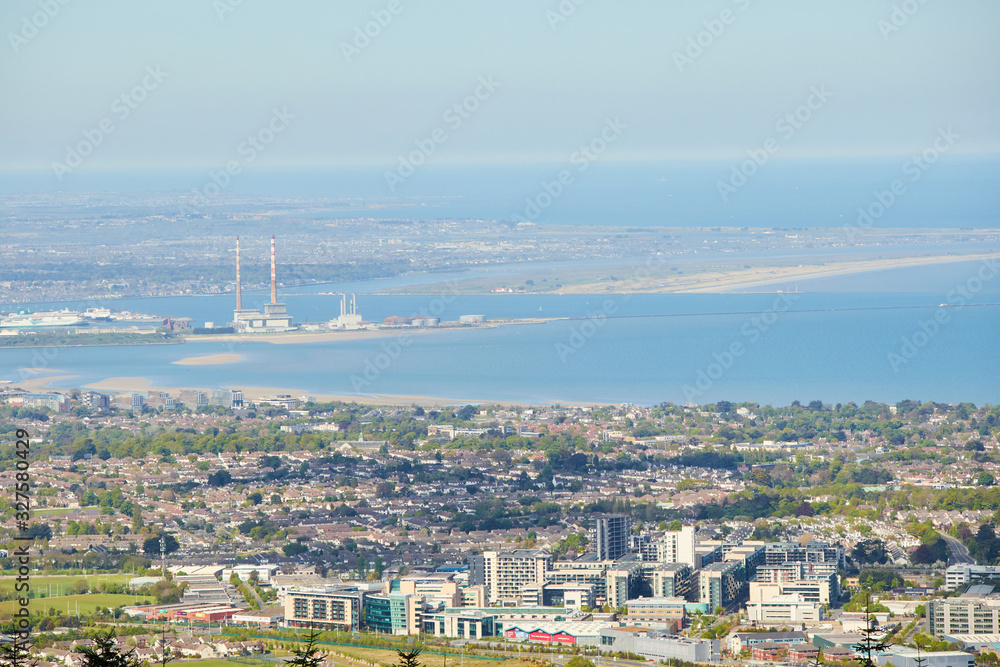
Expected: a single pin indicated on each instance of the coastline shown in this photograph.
(355, 334)
(726, 282)
(142, 385)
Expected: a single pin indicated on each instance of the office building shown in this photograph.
(657, 610)
(904, 656)
(964, 615)
(961, 574)
(659, 645)
(792, 608)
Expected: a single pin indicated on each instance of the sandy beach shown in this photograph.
(39, 384)
(293, 337)
(728, 281)
(209, 360)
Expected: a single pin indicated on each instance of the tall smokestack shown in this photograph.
(239, 301)
(354, 304)
(274, 279)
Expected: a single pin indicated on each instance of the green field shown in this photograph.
(36, 511)
(88, 603)
(62, 584)
(384, 656)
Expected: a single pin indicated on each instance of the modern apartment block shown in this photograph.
(721, 584)
(505, 573)
(609, 538)
(326, 607)
(622, 581)
(679, 547)
(672, 580)
(778, 553)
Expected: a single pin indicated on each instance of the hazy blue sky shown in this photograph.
(559, 82)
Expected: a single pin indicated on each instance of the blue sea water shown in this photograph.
(846, 338)
(770, 348)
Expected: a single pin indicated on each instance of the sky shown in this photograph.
(192, 83)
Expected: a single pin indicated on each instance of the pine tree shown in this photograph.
(15, 654)
(869, 646)
(408, 658)
(106, 653)
(308, 655)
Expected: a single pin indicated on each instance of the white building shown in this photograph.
(793, 608)
(678, 547)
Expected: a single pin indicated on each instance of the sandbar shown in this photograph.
(38, 385)
(305, 337)
(210, 360)
(742, 279)
(329, 336)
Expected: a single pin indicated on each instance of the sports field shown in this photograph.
(53, 585)
(68, 603)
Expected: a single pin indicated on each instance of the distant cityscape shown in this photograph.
(644, 531)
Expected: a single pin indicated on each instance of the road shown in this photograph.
(959, 552)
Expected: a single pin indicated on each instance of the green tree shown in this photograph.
(15, 654)
(408, 658)
(985, 479)
(870, 646)
(151, 547)
(106, 653)
(307, 655)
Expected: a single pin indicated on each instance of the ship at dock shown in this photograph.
(67, 318)
(55, 318)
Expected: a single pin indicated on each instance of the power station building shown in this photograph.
(274, 319)
(349, 318)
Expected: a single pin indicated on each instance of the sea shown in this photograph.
(937, 343)
(926, 333)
